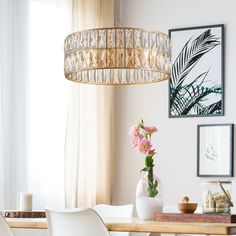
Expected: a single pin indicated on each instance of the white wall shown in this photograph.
(177, 138)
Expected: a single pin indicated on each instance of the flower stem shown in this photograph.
(152, 184)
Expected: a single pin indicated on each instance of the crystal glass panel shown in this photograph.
(120, 58)
(71, 42)
(161, 41)
(118, 74)
(144, 58)
(129, 38)
(152, 59)
(110, 38)
(123, 77)
(85, 76)
(129, 58)
(137, 38)
(152, 40)
(78, 65)
(131, 76)
(85, 59)
(101, 58)
(111, 58)
(99, 76)
(84, 38)
(167, 45)
(72, 62)
(102, 38)
(138, 58)
(80, 59)
(120, 38)
(91, 76)
(158, 43)
(139, 79)
(116, 80)
(92, 58)
(76, 43)
(144, 39)
(93, 38)
(158, 61)
(67, 64)
(108, 76)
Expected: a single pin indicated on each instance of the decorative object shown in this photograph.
(148, 193)
(186, 206)
(196, 85)
(24, 201)
(117, 56)
(215, 150)
(217, 197)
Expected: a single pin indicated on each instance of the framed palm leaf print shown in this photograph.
(196, 85)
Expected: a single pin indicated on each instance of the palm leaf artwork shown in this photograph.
(192, 98)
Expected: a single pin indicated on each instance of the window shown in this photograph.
(49, 25)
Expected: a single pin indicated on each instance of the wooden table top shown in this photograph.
(137, 225)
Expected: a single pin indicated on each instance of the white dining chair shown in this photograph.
(74, 222)
(111, 211)
(4, 228)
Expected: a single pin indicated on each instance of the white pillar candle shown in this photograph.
(24, 201)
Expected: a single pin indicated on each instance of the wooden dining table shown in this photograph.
(137, 225)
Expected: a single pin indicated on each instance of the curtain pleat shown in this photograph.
(90, 123)
(14, 30)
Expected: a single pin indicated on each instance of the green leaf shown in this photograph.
(145, 169)
(141, 124)
(190, 55)
(155, 184)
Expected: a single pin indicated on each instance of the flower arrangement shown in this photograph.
(141, 141)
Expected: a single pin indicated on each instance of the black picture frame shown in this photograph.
(196, 84)
(215, 150)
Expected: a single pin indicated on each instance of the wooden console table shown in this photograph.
(137, 225)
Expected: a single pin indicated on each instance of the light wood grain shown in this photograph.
(23, 214)
(137, 225)
(200, 218)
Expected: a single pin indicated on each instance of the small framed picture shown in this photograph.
(215, 150)
(196, 85)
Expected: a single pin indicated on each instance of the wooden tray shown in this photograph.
(24, 214)
(198, 218)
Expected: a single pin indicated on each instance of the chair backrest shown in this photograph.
(4, 228)
(74, 222)
(110, 211)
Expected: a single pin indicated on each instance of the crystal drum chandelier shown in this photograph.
(118, 55)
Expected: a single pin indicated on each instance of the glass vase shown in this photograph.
(217, 197)
(147, 206)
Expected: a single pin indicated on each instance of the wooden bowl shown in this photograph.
(187, 207)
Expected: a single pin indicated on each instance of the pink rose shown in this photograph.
(144, 146)
(150, 129)
(135, 140)
(134, 130)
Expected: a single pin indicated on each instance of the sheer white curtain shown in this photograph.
(14, 17)
(50, 23)
(89, 135)
(32, 100)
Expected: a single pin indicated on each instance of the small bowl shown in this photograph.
(187, 207)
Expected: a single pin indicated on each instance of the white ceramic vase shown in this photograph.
(147, 206)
